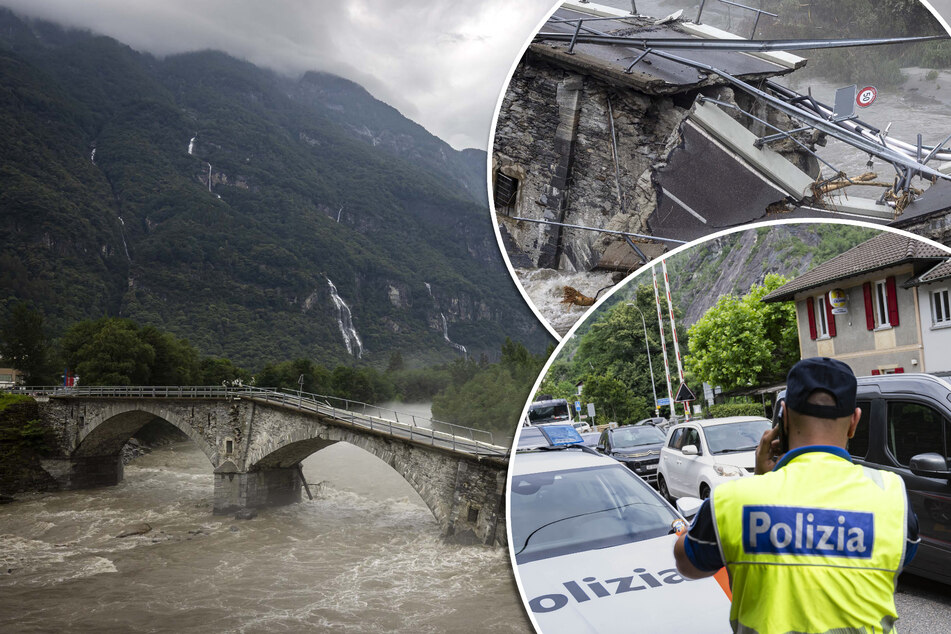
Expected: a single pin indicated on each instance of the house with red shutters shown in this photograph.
(881, 307)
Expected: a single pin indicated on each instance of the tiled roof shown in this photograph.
(940, 272)
(883, 251)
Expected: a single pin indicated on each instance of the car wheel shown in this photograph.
(662, 487)
(704, 491)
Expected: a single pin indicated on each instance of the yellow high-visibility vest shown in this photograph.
(814, 546)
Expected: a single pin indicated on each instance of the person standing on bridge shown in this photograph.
(812, 543)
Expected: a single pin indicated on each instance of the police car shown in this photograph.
(592, 545)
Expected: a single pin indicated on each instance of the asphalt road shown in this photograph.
(923, 605)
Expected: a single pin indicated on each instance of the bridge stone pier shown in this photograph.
(256, 441)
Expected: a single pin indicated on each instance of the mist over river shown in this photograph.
(364, 556)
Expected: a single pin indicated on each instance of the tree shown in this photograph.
(215, 371)
(396, 363)
(490, 397)
(108, 351)
(615, 346)
(741, 342)
(23, 344)
(613, 400)
(113, 351)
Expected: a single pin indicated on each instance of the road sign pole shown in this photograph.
(663, 342)
(673, 327)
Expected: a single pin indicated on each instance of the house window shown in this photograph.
(881, 304)
(821, 323)
(506, 192)
(940, 309)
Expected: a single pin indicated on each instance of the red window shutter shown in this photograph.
(811, 310)
(899, 370)
(876, 372)
(830, 318)
(892, 300)
(869, 311)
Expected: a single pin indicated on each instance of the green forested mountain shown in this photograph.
(224, 203)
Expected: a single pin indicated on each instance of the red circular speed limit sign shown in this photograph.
(866, 96)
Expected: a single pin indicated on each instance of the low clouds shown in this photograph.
(441, 63)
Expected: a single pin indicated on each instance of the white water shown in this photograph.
(546, 288)
(445, 335)
(122, 235)
(209, 177)
(92, 155)
(345, 320)
(191, 145)
(430, 289)
(364, 556)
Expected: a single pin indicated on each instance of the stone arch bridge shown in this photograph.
(256, 439)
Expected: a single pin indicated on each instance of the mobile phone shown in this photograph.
(778, 420)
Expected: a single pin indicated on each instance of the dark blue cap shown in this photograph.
(828, 375)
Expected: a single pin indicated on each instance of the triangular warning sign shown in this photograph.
(684, 394)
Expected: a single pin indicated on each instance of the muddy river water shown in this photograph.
(364, 556)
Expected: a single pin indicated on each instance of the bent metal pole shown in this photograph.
(673, 327)
(663, 343)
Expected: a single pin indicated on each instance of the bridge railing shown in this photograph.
(405, 418)
(374, 417)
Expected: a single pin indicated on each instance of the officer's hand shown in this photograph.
(767, 452)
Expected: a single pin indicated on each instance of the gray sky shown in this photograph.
(440, 62)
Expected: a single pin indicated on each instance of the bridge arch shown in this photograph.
(398, 456)
(108, 428)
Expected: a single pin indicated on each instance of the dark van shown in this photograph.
(906, 428)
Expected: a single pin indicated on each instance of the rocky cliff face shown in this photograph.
(733, 263)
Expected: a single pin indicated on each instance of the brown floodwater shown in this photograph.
(364, 556)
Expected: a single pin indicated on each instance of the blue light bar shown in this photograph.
(561, 435)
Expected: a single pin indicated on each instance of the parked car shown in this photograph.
(906, 428)
(586, 533)
(698, 455)
(656, 421)
(638, 447)
(582, 427)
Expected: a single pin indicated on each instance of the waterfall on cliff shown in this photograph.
(122, 234)
(445, 335)
(92, 155)
(345, 320)
(191, 145)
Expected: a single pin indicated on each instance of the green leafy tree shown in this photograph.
(215, 371)
(741, 341)
(108, 351)
(615, 346)
(113, 351)
(493, 396)
(613, 400)
(23, 345)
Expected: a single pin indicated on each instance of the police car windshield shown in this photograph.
(562, 512)
(733, 437)
(636, 436)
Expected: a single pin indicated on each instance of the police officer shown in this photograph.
(813, 543)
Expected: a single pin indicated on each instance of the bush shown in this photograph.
(722, 410)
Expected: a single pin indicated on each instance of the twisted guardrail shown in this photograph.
(356, 413)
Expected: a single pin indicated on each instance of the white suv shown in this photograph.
(698, 455)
